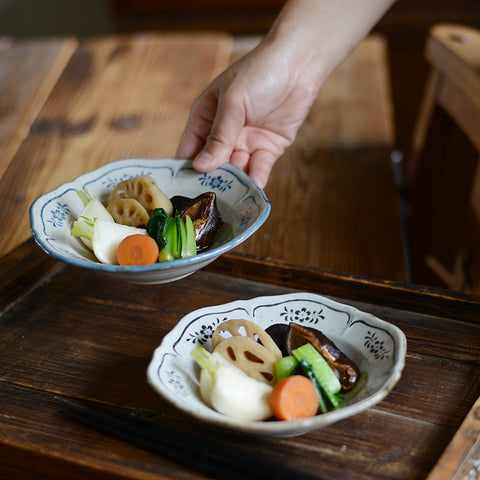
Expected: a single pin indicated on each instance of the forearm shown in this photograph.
(317, 35)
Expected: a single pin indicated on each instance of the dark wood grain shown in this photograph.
(77, 335)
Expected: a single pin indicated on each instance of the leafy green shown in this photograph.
(175, 238)
(157, 226)
(322, 369)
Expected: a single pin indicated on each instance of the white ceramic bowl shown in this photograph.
(241, 203)
(377, 347)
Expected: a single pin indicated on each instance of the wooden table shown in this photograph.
(71, 108)
(66, 332)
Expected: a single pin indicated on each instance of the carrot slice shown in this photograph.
(137, 249)
(293, 398)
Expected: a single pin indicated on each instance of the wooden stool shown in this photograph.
(442, 170)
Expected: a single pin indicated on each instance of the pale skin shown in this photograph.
(252, 112)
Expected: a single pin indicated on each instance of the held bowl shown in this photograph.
(243, 207)
(376, 346)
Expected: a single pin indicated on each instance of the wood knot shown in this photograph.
(126, 123)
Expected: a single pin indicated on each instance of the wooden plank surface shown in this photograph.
(111, 102)
(334, 202)
(68, 332)
(461, 460)
(28, 71)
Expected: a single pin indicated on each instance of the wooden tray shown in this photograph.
(65, 331)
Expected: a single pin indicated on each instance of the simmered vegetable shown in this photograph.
(137, 250)
(284, 367)
(105, 236)
(248, 347)
(144, 189)
(92, 209)
(137, 203)
(293, 398)
(175, 237)
(129, 211)
(303, 383)
(322, 371)
(229, 390)
(345, 369)
(205, 216)
(249, 356)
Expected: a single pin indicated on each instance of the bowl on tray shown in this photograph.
(377, 347)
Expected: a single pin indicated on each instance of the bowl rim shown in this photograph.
(281, 428)
(37, 224)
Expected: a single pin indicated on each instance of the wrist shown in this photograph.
(315, 36)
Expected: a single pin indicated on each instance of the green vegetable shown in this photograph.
(169, 251)
(175, 238)
(284, 367)
(324, 374)
(157, 226)
(328, 401)
(189, 244)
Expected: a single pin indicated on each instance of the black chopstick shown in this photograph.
(197, 452)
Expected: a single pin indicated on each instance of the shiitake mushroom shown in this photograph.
(294, 336)
(279, 334)
(204, 213)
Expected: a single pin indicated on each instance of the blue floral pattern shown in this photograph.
(215, 182)
(58, 215)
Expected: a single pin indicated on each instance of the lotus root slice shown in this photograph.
(245, 328)
(250, 357)
(129, 211)
(144, 189)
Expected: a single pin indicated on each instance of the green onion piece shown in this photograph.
(167, 253)
(84, 196)
(189, 248)
(307, 370)
(83, 227)
(182, 239)
(178, 230)
(321, 368)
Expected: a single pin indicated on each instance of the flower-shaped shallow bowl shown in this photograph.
(242, 205)
(377, 347)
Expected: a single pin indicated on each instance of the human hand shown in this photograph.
(248, 115)
(252, 112)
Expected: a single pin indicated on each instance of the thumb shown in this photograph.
(220, 143)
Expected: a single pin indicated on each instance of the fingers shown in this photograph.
(229, 121)
(260, 166)
(190, 145)
(198, 126)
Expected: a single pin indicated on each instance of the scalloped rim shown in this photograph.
(37, 223)
(278, 428)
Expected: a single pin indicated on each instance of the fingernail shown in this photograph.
(203, 160)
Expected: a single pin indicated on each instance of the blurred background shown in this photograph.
(405, 26)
